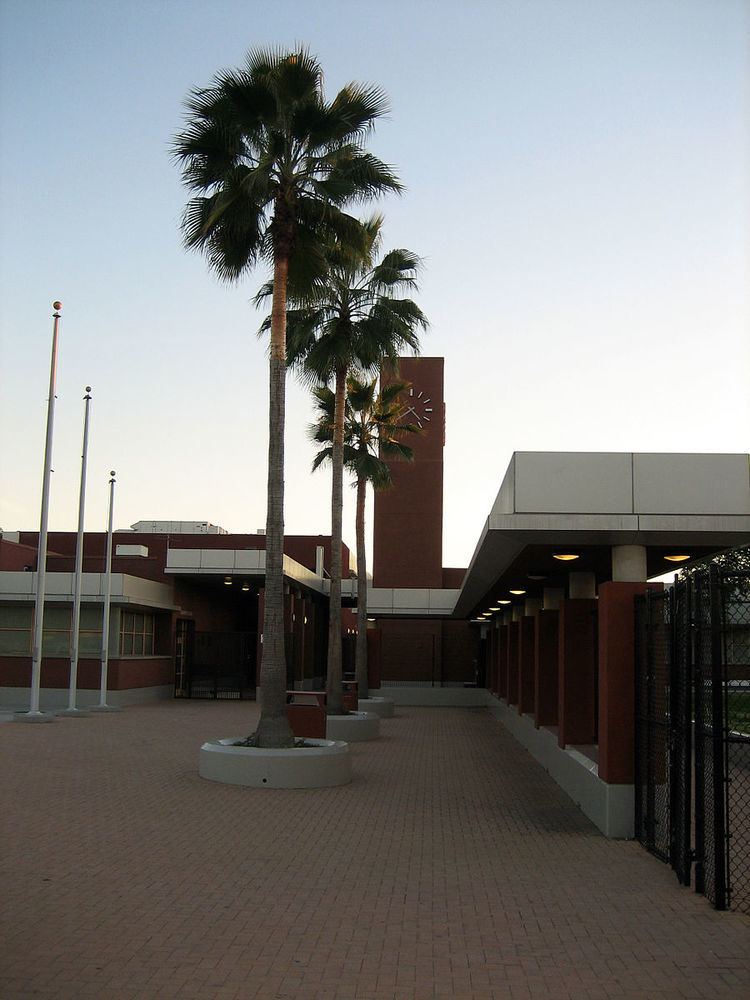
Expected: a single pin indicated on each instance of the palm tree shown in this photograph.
(349, 318)
(373, 428)
(272, 166)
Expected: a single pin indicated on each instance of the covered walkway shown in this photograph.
(452, 867)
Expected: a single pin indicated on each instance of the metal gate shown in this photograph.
(215, 665)
(692, 774)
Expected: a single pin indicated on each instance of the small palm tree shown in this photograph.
(273, 165)
(374, 424)
(349, 318)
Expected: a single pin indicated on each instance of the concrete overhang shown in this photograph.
(245, 563)
(589, 501)
(125, 589)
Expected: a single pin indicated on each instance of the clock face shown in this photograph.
(420, 407)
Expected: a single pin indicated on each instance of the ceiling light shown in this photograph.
(677, 558)
(246, 586)
(494, 609)
(504, 602)
(564, 556)
(537, 576)
(227, 581)
(517, 592)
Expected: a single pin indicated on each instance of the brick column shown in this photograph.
(502, 661)
(373, 658)
(526, 665)
(490, 649)
(546, 668)
(512, 662)
(577, 671)
(617, 679)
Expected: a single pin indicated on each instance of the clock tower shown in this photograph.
(408, 517)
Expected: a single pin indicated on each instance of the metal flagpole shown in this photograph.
(71, 710)
(33, 714)
(103, 706)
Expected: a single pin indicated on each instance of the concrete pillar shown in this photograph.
(581, 585)
(526, 665)
(576, 714)
(617, 679)
(551, 597)
(629, 563)
(546, 667)
(531, 605)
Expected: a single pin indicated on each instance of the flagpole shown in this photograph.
(71, 710)
(33, 714)
(103, 706)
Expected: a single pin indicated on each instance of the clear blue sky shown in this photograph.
(578, 184)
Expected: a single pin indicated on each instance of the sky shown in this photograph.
(577, 181)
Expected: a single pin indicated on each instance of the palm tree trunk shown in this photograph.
(273, 728)
(333, 676)
(361, 652)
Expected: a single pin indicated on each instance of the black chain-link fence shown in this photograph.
(692, 800)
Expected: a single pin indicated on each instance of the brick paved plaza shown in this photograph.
(451, 867)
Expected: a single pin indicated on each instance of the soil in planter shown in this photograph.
(299, 743)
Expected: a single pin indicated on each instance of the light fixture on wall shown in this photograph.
(677, 558)
(565, 556)
(246, 586)
(227, 581)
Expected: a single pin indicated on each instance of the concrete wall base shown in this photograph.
(52, 699)
(610, 807)
(435, 697)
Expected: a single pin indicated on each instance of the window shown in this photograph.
(17, 627)
(15, 630)
(136, 634)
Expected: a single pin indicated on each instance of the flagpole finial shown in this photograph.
(57, 305)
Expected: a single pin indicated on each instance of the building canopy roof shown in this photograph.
(583, 503)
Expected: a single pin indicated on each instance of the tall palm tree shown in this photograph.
(273, 166)
(350, 318)
(374, 425)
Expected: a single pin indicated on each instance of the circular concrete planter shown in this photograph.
(320, 764)
(356, 727)
(384, 707)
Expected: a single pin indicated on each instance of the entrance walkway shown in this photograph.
(452, 867)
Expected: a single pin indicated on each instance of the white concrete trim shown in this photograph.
(126, 589)
(609, 807)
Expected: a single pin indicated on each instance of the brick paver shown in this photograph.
(451, 867)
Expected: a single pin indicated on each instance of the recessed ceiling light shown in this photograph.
(517, 592)
(564, 556)
(677, 558)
